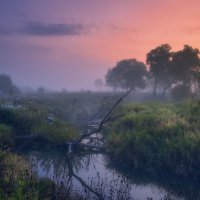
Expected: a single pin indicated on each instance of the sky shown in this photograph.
(70, 43)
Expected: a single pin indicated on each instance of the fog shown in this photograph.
(72, 79)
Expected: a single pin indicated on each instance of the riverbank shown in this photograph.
(19, 181)
(157, 137)
(21, 120)
(148, 137)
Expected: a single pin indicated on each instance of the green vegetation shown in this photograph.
(58, 117)
(157, 138)
(151, 137)
(17, 181)
(34, 121)
(5, 136)
(56, 132)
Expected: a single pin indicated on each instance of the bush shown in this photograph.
(18, 121)
(180, 92)
(5, 136)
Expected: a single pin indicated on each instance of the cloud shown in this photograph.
(46, 29)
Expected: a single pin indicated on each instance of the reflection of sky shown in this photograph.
(69, 43)
(97, 164)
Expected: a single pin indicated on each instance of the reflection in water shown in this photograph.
(82, 173)
(173, 187)
(88, 175)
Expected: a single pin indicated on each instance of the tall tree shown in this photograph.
(127, 74)
(186, 64)
(158, 61)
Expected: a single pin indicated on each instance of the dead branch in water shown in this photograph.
(105, 119)
(26, 140)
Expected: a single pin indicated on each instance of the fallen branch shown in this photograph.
(106, 118)
(25, 140)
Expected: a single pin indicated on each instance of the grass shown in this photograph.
(17, 181)
(5, 136)
(152, 137)
(28, 122)
(58, 116)
(57, 132)
(156, 138)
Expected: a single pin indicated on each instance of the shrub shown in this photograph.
(180, 92)
(5, 136)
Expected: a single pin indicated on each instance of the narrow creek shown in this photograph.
(94, 171)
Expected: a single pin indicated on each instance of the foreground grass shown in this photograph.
(157, 138)
(18, 182)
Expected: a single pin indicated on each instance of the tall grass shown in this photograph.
(157, 138)
(27, 122)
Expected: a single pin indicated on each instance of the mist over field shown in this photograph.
(99, 100)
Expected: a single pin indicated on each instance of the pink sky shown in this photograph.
(111, 30)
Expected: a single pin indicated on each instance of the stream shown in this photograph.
(88, 173)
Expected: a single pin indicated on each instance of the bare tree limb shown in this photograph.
(106, 118)
(25, 140)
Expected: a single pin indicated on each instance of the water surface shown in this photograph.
(85, 171)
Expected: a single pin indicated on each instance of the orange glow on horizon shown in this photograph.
(120, 30)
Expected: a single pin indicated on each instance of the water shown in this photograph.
(86, 171)
(90, 174)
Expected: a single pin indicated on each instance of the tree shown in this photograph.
(7, 87)
(158, 61)
(186, 70)
(127, 74)
(112, 79)
(98, 83)
(186, 65)
(41, 90)
(172, 68)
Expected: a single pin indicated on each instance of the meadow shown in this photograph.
(156, 138)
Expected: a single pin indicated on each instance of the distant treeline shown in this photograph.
(164, 71)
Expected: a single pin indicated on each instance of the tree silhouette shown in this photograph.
(7, 87)
(170, 69)
(158, 61)
(186, 64)
(98, 83)
(127, 74)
